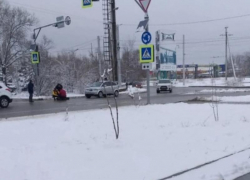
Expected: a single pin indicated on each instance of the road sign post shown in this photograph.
(146, 53)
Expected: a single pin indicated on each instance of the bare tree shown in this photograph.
(115, 123)
(14, 25)
(44, 82)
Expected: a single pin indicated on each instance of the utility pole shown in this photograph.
(184, 66)
(226, 49)
(114, 54)
(99, 55)
(226, 34)
(91, 50)
(118, 55)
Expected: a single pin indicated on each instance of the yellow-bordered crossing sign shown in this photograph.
(87, 3)
(35, 59)
(146, 53)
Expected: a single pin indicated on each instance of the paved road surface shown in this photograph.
(24, 108)
(245, 177)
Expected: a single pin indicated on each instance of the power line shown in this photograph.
(195, 22)
(79, 45)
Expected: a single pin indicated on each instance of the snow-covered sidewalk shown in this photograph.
(155, 141)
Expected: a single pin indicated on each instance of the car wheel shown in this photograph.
(170, 90)
(100, 94)
(4, 102)
(88, 96)
(116, 93)
(157, 91)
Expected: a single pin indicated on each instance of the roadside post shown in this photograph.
(147, 50)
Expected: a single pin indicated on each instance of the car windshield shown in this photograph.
(164, 81)
(96, 84)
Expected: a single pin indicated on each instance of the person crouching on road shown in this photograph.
(31, 90)
(55, 92)
(62, 95)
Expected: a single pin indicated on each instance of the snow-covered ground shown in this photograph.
(224, 90)
(25, 95)
(155, 141)
(217, 82)
(219, 91)
(236, 99)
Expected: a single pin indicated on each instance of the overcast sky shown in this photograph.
(87, 24)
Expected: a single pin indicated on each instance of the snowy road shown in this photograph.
(23, 108)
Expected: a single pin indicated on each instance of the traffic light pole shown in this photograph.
(35, 36)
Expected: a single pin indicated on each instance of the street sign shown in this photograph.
(67, 20)
(87, 3)
(146, 37)
(146, 53)
(145, 4)
(147, 66)
(60, 21)
(35, 57)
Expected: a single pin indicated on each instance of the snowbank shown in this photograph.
(224, 90)
(133, 90)
(25, 96)
(155, 141)
(236, 99)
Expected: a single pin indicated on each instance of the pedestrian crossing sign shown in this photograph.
(146, 53)
(87, 3)
(35, 58)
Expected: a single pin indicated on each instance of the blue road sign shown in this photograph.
(146, 37)
(87, 3)
(146, 53)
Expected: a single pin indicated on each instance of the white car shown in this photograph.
(5, 96)
(164, 85)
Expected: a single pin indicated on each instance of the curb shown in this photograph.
(43, 99)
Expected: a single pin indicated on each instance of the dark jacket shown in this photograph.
(31, 88)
